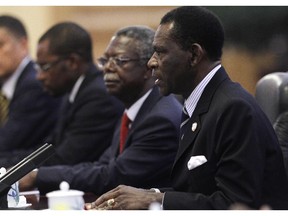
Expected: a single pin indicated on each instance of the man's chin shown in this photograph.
(53, 93)
(112, 91)
(163, 91)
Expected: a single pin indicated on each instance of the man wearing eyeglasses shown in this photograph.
(88, 113)
(27, 113)
(144, 156)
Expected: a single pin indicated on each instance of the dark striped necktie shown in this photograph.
(4, 105)
(184, 120)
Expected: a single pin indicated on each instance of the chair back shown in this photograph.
(272, 94)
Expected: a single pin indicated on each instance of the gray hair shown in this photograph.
(144, 37)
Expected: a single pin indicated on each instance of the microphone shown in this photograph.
(32, 161)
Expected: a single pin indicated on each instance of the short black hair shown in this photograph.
(14, 25)
(68, 37)
(193, 24)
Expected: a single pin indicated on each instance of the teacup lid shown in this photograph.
(64, 191)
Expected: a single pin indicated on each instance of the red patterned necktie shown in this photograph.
(124, 131)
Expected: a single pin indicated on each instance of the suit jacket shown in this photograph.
(85, 128)
(244, 161)
(147, 158)
(32, 115)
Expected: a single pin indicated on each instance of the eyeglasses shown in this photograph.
(47, 66)
(118, 61)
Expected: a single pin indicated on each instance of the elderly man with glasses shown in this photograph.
(144, 143)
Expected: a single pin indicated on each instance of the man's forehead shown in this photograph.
(166, 27)
(163, 33)
(44, 45)
(120, 45)
(6, 33)
(121, 42)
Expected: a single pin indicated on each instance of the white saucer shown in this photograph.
(21, 206)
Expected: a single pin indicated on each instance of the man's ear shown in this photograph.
(24, 42)
(74, 61)
(196, 53)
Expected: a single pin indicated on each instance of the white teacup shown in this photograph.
(65, 199)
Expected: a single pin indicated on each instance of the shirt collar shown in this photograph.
(134, 109)
(9, 86)
(192, 100)
(76, 88)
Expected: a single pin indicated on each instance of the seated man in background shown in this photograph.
(145, 155)
(281, 129)
(88, 114)
(27, 113)
(228, 152)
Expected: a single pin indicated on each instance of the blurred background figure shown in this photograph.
(281, 129)
(88, 113)
(27, 113)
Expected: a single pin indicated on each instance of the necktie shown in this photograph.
(4, 105)
(184, 120)
(64, 118)
(124, 131)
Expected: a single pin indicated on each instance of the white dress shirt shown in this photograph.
(8, 88)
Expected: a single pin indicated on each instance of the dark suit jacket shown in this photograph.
(244, 161)
(85, 129)
(32, 114)
(146, 161)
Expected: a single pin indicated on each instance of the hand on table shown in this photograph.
(28, 181)
(125, 198)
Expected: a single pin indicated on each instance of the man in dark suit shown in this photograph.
(228, 151)
(148, 151)
(28, 114)
(88, 114)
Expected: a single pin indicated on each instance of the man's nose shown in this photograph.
(108, 67)
(152, 63)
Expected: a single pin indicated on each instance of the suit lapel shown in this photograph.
(90, 75)
(27, 72)
(200, 110)
(152, 98)
(68, 109)
(64, 117)
(116, 140)
(150, 101)
(193, 127)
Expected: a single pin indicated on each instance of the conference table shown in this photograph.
(40, 202)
